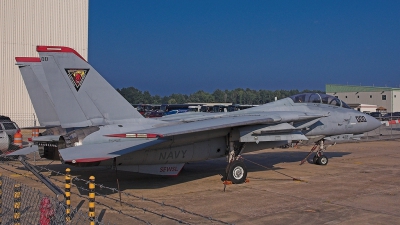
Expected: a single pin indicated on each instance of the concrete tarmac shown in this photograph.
(360, 185)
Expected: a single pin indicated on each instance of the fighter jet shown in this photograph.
(111, 132)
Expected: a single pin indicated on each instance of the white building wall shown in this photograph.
(371, 98)
(396, 101)
(24, 24)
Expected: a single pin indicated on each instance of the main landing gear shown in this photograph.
(319, 157)
(236, 170)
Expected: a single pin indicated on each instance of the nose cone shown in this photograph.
(372, 123)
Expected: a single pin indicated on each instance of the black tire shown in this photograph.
(315, 159)
(237, 172)
(323, 160)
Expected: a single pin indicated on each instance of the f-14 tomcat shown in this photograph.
(107, 130)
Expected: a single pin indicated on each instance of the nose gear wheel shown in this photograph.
(319, 157)
(323, 160)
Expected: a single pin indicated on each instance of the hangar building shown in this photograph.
(386, 99)
(24, 24)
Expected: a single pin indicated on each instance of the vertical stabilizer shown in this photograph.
(82, 97)
(35, 81)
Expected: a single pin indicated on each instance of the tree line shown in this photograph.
(236, 96)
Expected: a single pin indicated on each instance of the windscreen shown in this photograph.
(318, 98)
(306, 98)
(344, 105)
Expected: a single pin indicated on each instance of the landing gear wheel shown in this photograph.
(323, 160)
(237, 172)
(315, 159)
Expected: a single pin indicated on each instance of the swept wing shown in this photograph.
(198, 124)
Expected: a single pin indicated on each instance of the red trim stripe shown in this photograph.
(27, 59)
(154, 136)
(85, 160)
(40, 48)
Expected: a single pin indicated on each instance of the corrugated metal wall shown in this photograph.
(24, 24)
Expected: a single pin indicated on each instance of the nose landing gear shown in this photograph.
(320, 160)
(319, 157)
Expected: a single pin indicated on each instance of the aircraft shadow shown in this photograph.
(192, 171)
(107, 177)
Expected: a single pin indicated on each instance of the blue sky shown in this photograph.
(182, 46)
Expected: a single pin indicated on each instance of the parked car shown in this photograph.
(376, 115)
(152, 114)
(391, 116)
(4, 141)
(9, 127)
(175, 111)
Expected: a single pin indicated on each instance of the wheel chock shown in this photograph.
(227, 182)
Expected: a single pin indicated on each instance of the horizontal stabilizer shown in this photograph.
(38, 127)
(104, 151)
(25, 151)
(47, 138)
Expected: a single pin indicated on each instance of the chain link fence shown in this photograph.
(139, 209)
(131, 206)
(388, 130)
(21, 204)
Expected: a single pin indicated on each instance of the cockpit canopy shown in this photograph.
(318, 98)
